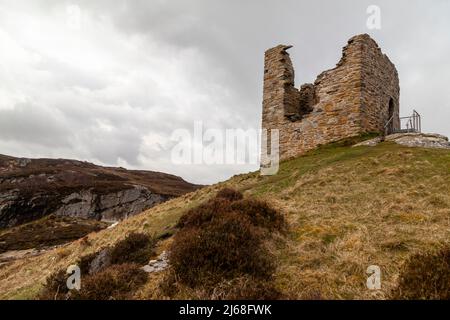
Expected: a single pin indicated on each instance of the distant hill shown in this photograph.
(33, 188)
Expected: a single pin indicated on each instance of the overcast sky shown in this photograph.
(112, 88)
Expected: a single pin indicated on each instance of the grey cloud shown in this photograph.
(26, 123)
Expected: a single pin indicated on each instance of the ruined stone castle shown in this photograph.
(361, 94)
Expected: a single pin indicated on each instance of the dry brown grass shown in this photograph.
(347, 208)
(354, 214)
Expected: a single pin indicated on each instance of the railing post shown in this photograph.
(417, 121)
(420, 124)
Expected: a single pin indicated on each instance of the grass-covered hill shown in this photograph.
(346, 209)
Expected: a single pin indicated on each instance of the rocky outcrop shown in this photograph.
(33, 188)
(424, 140)
(109, 207)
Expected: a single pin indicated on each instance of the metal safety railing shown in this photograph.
(412, 123)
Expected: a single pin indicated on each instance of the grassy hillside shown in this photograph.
(347, 208)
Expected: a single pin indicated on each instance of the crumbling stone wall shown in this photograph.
(352, 98)
(380, 87)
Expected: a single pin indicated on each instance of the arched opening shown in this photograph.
(391, 112)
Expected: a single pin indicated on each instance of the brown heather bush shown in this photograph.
(135, 248)
(425, 276)
(117, 282)
(226, 248)
(204, 213)
(221, 241)
(84, 262)
(55, 287)
(260, 213)
(229, 194)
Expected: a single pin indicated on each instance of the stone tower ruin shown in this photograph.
(359, 95)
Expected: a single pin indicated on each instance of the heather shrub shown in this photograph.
(260, 213)
(55, 287)
(425, 276)
(204, 213)
(112, 270)
(229, 194)
(222, 241)
(135, 248)
(226, 248)
(117, 282)
(84, 262)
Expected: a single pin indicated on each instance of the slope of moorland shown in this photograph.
(347, 208)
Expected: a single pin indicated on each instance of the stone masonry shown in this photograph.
(359, 95)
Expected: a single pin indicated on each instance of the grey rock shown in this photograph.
(157, 265)
(101, 261)
(423, 140)
(148, 269)
(110, 207)
(23, 162)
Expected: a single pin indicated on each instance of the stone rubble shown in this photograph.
(157, 265)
